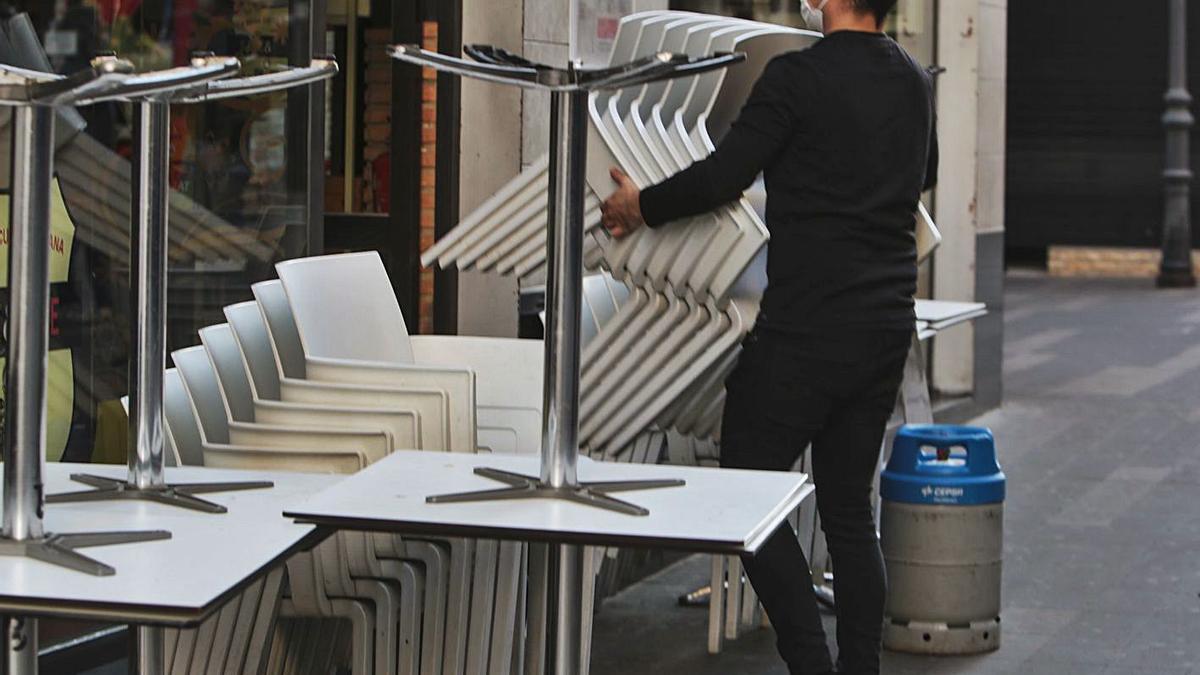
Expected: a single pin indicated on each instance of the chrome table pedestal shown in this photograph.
(33, 95)
(148, 288)
(569, 89)
(148, 292)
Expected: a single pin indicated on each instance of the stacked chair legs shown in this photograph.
(275, 389)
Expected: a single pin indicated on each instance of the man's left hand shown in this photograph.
(621, 213)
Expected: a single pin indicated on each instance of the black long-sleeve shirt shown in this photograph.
(844, 133)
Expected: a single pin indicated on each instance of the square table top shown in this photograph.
(178, 581)
(717, 511)
(940, 314)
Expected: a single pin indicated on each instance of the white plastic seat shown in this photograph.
(503, 417)
(429, 405)
(508, 381)
(229, 641)
(186, 419)
(241, 390)
(198, 383)
(377, 351)
(432, 557)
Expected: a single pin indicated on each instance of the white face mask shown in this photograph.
(814, 18)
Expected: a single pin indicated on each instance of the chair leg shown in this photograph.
(232, 658)
(458, 605)
(733, 597)
(716, 606)
(483, 600)
(592, 560)
(508, 588)
(386, 600)
(263, 625)
(535, 612)
(221, 641)
(408, 625)
(362, 659)
(517, 662)
(434, 557)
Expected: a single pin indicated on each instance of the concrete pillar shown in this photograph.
(972, 46)
(490, 156)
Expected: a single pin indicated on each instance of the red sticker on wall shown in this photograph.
(606, 27)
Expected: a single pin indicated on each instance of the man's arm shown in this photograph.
(763, 129)
(931, 163)
(931, 166)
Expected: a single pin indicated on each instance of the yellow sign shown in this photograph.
(60, 391)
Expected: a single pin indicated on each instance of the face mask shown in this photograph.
(814, 18)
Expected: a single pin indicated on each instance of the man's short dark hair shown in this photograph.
(879, 8)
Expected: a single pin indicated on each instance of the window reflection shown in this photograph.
(231, 213)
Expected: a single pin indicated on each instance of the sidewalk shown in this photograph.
(1100, 438)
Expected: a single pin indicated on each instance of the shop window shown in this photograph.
(232, 213)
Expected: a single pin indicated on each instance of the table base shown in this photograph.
(59, 549)
(593, 493)
(181, 495)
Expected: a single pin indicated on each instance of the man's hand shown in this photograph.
(621, 213)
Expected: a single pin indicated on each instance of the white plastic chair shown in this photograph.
(222, 449)
(197, 419)
(241, 390)
(219, 341)
(377, 351)
(508, 382)
(429, 405)
(499, 407)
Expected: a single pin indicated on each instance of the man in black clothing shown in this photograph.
(844, 133)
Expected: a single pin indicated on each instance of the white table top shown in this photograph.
(945, 313)
(718, 510)
(177, 581)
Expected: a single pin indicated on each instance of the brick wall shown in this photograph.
(1098, 261)
(428, 173)
(376, 120)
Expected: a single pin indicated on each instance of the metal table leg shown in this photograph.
(569, 89)
(564, 621)
(21, 645)
(148, 656)
(560, 404)
(148, 325)
(25, 376)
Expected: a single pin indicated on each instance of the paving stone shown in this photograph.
(1102, 522)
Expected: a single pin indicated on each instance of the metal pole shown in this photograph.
(564, 625)
(28, 321)
(147, 295)
(564, 231)
(27, 333)
(1176, 269)
(21, 645)
(149, 655)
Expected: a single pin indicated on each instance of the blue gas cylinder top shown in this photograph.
(943, 464)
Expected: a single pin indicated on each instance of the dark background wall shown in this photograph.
(1085, 138)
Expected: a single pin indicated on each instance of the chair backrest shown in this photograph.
(227, 362)
(345, 308)
(203, 393)
(182, 430)
(281, 328)
(254, 341)
(760, 47)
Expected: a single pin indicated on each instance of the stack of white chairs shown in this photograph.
(691, 290)
(277, 388)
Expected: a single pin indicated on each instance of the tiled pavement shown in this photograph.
(1100, 438)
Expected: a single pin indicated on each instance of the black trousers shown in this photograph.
(836, 393)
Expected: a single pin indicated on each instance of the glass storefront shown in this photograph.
(236, 206)
(782, 12)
